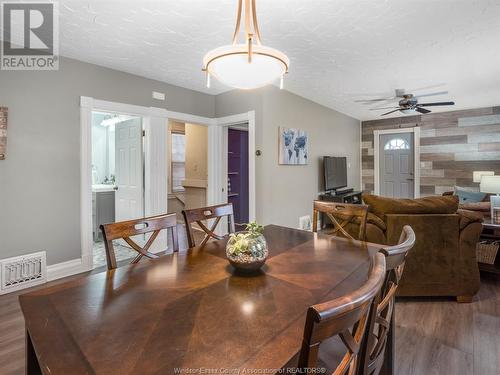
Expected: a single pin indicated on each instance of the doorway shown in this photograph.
(117, 176)
(237, 172)
(397, 163)
(188, 177)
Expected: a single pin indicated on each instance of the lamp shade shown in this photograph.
(476, 175)
(490, 184)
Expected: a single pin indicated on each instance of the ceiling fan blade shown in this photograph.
(435, 104)
(383, 114)
(376, 109)
(373, 100)
(422, 110)
(431, 94)
(428, 87)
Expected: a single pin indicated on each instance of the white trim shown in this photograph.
(191, 119)
(416, 143)
(64, 269)
(248, 117)
(360, 156)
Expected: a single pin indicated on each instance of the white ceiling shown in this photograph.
(340, 50)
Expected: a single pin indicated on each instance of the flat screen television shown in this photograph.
(335, 172)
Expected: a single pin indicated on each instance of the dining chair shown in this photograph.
(126, 229)
(346, 318)
(382, 309)
(341, 215)
(198, 215)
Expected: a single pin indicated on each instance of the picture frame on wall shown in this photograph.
(293, 146)
(3, 133)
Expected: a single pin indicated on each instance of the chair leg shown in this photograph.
(464, 299)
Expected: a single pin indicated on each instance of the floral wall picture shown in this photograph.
(3, 132)
(293, 146)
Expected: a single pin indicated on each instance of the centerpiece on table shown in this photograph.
(247, 250)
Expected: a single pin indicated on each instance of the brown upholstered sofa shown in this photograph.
(443, 261)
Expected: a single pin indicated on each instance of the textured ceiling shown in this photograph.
(340, 50)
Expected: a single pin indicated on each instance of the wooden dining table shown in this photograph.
(190, 312)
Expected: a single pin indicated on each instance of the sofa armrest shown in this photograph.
(469, 217)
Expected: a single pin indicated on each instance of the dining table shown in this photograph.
(191, 312)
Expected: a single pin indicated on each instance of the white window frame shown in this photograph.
(416, 150)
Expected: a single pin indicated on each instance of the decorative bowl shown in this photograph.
(246, 251)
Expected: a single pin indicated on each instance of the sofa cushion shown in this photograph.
(382, 206)
(484, 207)
(466, 196)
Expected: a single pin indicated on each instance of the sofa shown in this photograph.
(443, 260)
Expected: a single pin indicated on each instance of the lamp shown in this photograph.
(476, 175)
(247, 65)
(491, 185)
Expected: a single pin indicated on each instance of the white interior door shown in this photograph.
(397, 177)
(129, 196)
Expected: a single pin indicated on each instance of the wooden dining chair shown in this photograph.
(342, 214)
(126, 229)
(345, 317)
(381, 314)
(198, 215)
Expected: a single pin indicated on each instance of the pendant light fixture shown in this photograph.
(246, 65)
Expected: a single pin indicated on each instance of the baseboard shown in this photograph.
(65, 269)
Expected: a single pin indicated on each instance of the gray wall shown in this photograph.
(284, 193)
(40, 178)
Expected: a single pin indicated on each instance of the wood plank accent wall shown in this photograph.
(3, 132)
(452, 146)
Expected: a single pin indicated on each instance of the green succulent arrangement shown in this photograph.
(243, 242)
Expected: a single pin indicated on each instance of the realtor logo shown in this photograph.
(30, 36)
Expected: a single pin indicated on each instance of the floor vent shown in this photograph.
(23, 271)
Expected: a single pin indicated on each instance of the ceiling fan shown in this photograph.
(408, 103)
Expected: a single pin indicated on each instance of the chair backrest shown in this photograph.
(126, 229)
(346, 317)
(198, 215)
(382, 309)
(342, 214)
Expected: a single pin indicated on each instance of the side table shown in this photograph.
(491, 231)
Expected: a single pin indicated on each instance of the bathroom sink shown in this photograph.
(103, 187)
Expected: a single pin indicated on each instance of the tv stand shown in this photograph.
(340, 192)
(343, 196)
(340, 196)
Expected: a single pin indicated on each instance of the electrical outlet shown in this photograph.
(305, 223)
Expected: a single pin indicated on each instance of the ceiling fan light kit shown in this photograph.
(246, 65)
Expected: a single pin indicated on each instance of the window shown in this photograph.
(397, 144)
(178, 161)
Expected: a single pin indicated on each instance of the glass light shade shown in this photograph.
(408, 111)
(476, 175)
(490, 184)
(230, 65)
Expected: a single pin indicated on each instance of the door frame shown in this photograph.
(155, 153)
(226, 122)
(156, 163)
(416, 151)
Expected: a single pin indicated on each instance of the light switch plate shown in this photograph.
(158, 95)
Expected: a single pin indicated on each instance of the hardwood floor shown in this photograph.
(432, 336)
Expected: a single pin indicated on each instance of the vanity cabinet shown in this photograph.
(103, 210)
